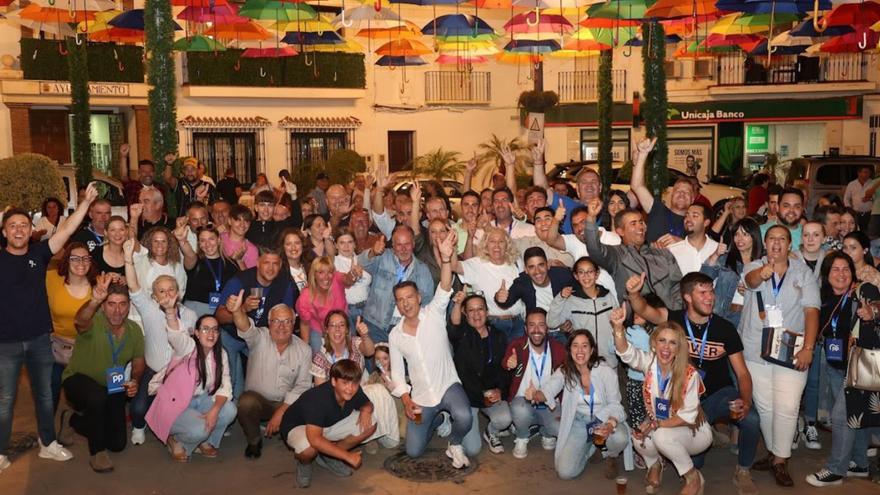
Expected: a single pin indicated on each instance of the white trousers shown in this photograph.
(676, 444)
(777, 398)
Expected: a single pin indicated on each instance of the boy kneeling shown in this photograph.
(327, 421)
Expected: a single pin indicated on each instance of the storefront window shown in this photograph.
(219, 151)
(619, 149)
(314, 147)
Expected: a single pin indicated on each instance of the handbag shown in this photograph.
(778, 344)
(863, 369)
(62, 348)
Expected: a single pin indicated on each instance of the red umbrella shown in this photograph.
(853, 14)
(221, 14)
(603, 22)
(851, 42)
(715, 40)
(283, 51)
(198, 3)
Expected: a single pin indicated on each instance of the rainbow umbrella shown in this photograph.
(605, 36)
(728, 25)
(389, 61)
(222, 14)
(529, 25)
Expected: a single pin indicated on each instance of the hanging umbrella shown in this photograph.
(584, 45)
(517, 58)
(389, 61)
(71, 5)
(532, 46)
(602, 22)
(318, 25)
(768, 6)
(301, 38)
(765, 20)
(198, 3)
(247, 31)
(528, 25)
(408, 30)
(277, 10)
(851, 42)
(357, 16)
(483, 48)
(349, 46)
(457, 25)
(428, 2)
(672, 9)
(853, 14)
(273, 52)
(719, 40)
(668, 38)
(807, 28)
(40, 14)
(444, 59)
(198, 43)
(225, 14)
(403, 48)
(761, 49)
(567, 54)
(606, 36)
(620, 9)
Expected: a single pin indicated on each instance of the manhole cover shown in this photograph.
(433, 465)
(20, 443)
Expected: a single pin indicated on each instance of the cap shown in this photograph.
(322, 175)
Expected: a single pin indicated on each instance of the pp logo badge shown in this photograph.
(661, 407)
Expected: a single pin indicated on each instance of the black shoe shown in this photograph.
(254, 451)
(764, 464)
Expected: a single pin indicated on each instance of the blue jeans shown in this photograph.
(235, 350)
(513, 327)
(189, 427)
(716, 407)
(816, 392)
(499, 419)
(847, 444)
(141, 402)
(377, 333)
(57, 371)
(37, 356)
(577, 447)
(353, 313)
(525, 415)
(456, 403)
(316, 341)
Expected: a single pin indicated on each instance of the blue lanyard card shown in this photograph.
(115, 379)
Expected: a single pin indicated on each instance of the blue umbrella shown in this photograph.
(304, 38)
(532, 46)
(761, 49)
(390, 61)
(457, 25)
(133, 19)
(806, 28)
(767, 6)
(672, 38)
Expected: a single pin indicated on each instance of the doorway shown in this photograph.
(400, 150)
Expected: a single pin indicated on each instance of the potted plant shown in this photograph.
(536, 103)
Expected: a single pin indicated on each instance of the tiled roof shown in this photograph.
(225, 122)
(319, 123)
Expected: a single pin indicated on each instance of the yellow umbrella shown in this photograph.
(575, 53)
(319, 25)
(876, 26)
(404, 48)
(100, 23)
(726, 25)
(350, 46)
(407, 31)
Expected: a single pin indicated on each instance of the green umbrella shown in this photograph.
(197, 43)
(620, 9)
(277, 10)
(606, 36)
(764, 19)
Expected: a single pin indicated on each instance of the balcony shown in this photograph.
(458, 88)
(583, 86)
(735, 69)
(46, 60)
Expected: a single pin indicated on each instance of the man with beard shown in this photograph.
(791, 209)
(131, 189)
(149, 212)
(92, 234)
(188, 188)
(665, 223)
(693, 250)
(531, 359)
(420, 338)
(502, 201)
(467, 225)
(544, 228)
(633, 256)
(715, 348)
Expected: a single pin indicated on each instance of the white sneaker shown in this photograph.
(796, 440)
(55, 452)
(445, 428)
(4, 463)
(549, 443)
(811, 437)
(456, 453)
(138, 436)
(520, 448)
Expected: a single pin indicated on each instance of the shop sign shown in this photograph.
(757, 138)
(95, 89)
(691, 158)
(619, 152)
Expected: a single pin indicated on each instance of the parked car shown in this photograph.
(402, 181)
(818, 175)
(568, 171)
(110, 187)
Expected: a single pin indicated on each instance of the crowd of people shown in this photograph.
(604, 323)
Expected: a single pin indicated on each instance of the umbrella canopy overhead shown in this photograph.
(198, 3)
(407, 30)
(248, 31)
(532, 46)
(673, 9)
(71, 5)
(761, 49)
(362, 14)
(554, 4)
(768, 6)
(527, 25)
(277, 10)
(225, 14)
(389, 61)
(605, 36)
(41, 14)
(853, 14)
(444, 59)
(198, 43)
(806, 28)
(852, 42)
(305, 38)
(273, 52)
(404, 48)
(457, 25)
(620, 9)
(668, 38)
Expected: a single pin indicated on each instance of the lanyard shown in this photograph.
(539, 370)
(400, 271)
(592, 397)
(777, 287)
(333, 356)
(673, 225)
(662, 382)
(218, 279)
(116, 350)
(489, 337)
(836, 315)
(687, 323)
(98, 237)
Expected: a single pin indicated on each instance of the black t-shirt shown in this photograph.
(226, 189)
(721, 341)
(264, 233)
(662, 221)
(102, 265)
(144, 226)
(24, 303)
(317, 406)
(201, 280)
(89, 237)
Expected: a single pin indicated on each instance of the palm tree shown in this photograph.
(439, 165)
(490, 153)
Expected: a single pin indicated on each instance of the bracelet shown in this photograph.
(445, 261)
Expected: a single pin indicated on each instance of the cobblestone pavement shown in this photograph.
(147, 469)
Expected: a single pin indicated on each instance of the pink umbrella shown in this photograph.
(282, 51)
(851, 42)
(527, 23)
(220, 14)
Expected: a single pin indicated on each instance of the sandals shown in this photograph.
(206, 450)
(653, 478)
(176, 450)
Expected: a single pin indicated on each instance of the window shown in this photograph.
(314, 147)
(619, 148)
(219, 151)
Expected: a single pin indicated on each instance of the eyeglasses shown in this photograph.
(586, 272)
(276, 321)
(80, 259)
(207, 330)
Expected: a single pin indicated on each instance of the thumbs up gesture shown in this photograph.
(361, 327)
(502, 294)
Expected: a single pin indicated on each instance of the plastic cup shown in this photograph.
(621, 485)
(598, 439)
(736, 410)
(417, 413)
(256, 292)
(487, 398)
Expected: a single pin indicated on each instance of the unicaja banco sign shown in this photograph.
(711, 115)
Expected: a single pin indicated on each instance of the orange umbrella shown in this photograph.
(585, 45)
(34, 12)
(404, 48)
(118, 35)
(198, 3)
(239, 31)
(407, 30)
(602, 22)
(671, 9)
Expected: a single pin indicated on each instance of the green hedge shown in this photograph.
(335, 70)
(41, 59)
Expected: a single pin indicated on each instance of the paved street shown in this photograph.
(147, 469)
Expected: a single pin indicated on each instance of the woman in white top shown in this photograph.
(161, 257)
(676, 427)
(296, 259)
(590, 406)
(203, 369)
(346, 258)
(494, 265)
(52, 217)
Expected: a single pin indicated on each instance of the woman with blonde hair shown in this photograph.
(675, 427)
(325, 293)
(492, 269)
(161, 257)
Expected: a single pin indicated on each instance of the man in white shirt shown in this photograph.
(696, 247)
(502, 199)
(531, 359)
(420, 339)
(856, 196)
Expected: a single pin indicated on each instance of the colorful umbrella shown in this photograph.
(851, 42)
(38, 13)
(357, 16)
(318, 25)
(719, 40)
(408, 30)
(621, 9)
(672, 9)
(277, 10)
(584, 45)
(389, 61)
(774, 6)
(349, 46)
(668, 38)
(528, 25)
(457, 25)
(248, 31)
(444, 59)
(761, 49)
(224, 14)
(198, 3)
(517, 58)
(765, 20)
(198, 43)
(532, 46)
(71, 5)
(602, 22)
(853, 14)
(302, 38)
(605, 36)
(807, 28)
(281, 51)
(403, 48)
